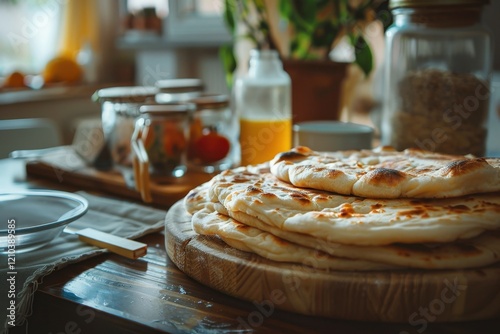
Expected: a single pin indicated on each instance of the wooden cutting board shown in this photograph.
(409, 296)
(64, 166)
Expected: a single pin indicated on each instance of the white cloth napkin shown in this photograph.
(114, 216)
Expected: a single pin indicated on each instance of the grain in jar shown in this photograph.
(437, 75)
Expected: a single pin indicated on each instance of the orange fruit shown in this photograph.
(62, 69)
(14, 80)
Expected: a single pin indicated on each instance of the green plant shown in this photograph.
(316, 27)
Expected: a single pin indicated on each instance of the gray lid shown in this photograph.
(179, 85)
(135, 94)
(167, 108)
(211, 101)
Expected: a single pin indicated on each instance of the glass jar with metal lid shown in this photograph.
(119, 110)
(159, 143)
(179, 89)
(212, 134)
(437, 73)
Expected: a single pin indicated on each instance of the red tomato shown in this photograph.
(212, 147)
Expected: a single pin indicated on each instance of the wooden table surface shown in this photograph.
(112, 294)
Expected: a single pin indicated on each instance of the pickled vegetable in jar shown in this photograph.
(163, 132)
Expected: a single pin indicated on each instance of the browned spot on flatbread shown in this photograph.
(376, 208)
(193, 195)
(317, 169)
(346, 211)
(241, 227)
(303, 150)
(269, 195)
(240, 179)
(458, 208)
(387, 148)
(302, 168)
(251, 190)
(296, 194)
(420, 211)
(333, 173)
(491, 206)
(385, 176)
(403, 253)
(289, 156)
(257, 201)
(462, 167)
(225, 184)
(319, 215)
(279, 241)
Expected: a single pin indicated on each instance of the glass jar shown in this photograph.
(119, 110)
(264, 108)
(212, 134)
(178, 90)
(437, 74)
(162, 130)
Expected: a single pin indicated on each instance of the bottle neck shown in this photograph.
(438, 16)
(264, 62)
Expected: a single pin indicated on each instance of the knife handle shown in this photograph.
(125, 247)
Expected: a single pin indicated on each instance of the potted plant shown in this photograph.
(315, 28)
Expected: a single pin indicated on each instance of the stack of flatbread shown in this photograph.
(357, 210)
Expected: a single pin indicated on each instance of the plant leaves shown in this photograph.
(363, 54)
(306, 10)
(229, 13)
(300, 46)
(324, 34)
(285, 9)
(229, 63)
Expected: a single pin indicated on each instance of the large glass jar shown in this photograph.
(437, 74)
(264, 108)
(119, 110)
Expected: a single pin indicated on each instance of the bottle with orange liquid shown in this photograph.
(263, 104)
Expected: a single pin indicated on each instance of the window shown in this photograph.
(29, 33)
(161, 6)
(196, 21)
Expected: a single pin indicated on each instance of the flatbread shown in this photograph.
(475, 252)
(354, 220)
(387, 173)
(269, 246)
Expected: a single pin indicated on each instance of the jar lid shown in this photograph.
(211, 101)
(433, 3)
(165, 109)
(179, 85)
(135, 94)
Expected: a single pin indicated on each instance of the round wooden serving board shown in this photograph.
(389, 296)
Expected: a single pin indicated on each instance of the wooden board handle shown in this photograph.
(118, 245)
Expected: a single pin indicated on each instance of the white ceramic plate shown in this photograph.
(31, 219)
